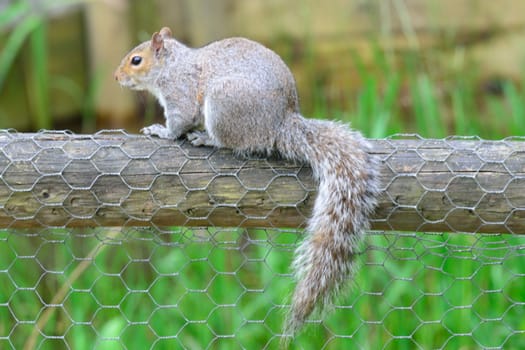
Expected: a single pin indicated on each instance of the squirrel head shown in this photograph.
(142, 65)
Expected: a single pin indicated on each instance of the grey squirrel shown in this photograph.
(246, 98)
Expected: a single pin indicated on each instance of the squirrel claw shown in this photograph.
(157, 130)
(199, 138)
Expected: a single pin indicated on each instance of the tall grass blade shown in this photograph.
(426, 108)
(39, 81)
(517, 108)
(12, 13)
(14, 43)
(460, 117)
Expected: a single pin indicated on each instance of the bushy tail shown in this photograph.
(348, 187)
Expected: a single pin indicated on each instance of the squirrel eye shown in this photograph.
(135, 60)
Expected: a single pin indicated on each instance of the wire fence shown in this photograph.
(115, 241)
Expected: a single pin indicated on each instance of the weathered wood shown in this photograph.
(115, 179)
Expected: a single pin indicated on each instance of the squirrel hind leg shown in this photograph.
(241, 117)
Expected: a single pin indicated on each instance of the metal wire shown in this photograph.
(98, 274)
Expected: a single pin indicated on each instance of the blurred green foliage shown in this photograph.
(24, 24)
(225, 289)
(28, 25)
(403, 95)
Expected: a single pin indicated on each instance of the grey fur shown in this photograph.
(246, 98)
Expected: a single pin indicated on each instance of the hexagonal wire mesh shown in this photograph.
(114, 241)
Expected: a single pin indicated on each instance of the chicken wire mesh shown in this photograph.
(114, 241)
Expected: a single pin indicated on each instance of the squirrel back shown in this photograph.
(246, 98)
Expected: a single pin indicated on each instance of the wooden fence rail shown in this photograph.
(58, 179)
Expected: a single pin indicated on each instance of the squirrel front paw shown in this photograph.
(200, 138)
(158, 130)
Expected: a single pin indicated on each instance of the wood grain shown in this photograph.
(114, 179)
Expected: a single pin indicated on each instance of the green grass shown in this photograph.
(30, 27)
(26, 34)
(197, 289)
(409, 97)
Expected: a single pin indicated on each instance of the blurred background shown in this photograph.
(434, 67)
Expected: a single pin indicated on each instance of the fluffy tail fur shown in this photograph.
(347, 177)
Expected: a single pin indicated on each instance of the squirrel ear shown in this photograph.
(157, 42)
(165, 32)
